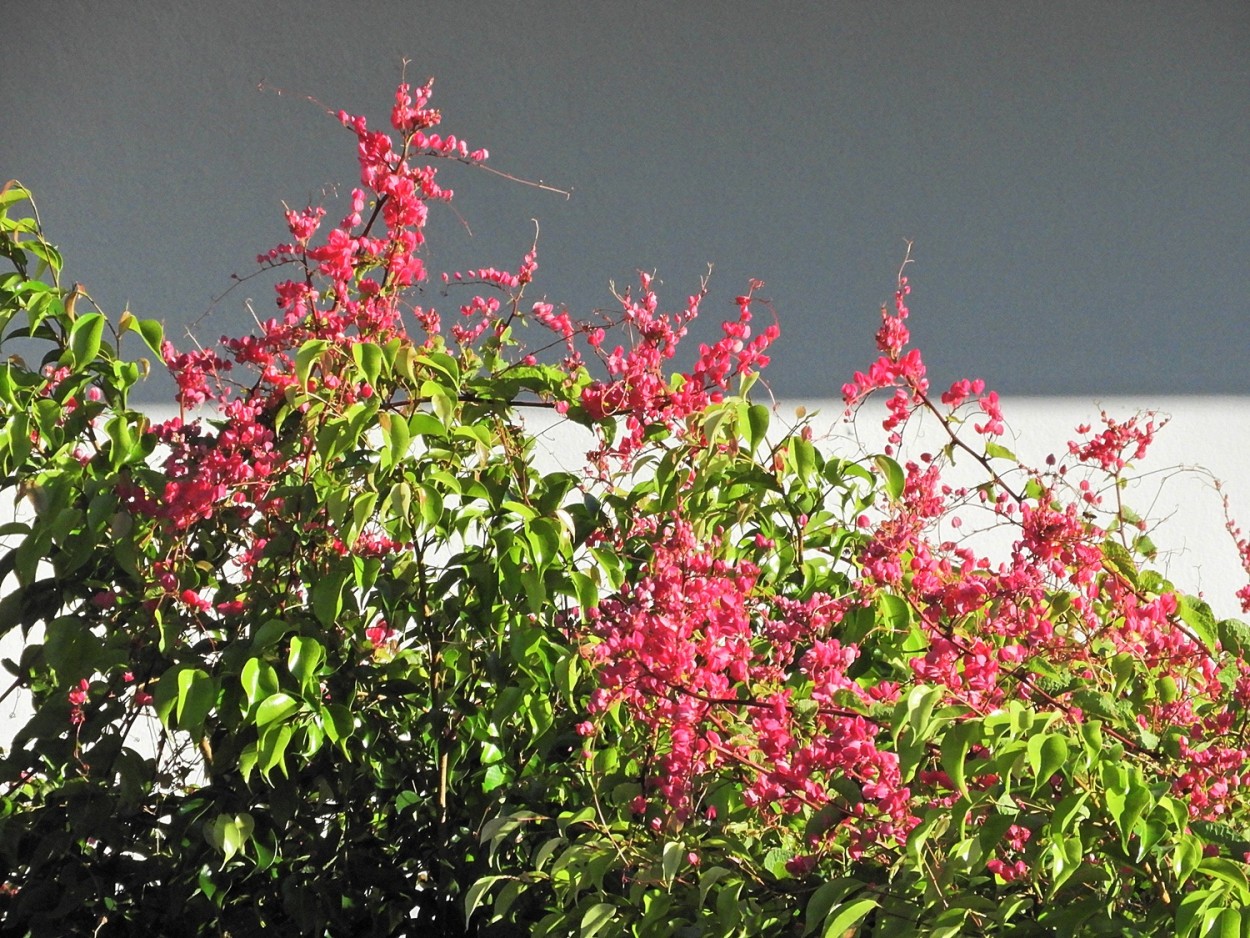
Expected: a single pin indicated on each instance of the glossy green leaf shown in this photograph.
(671, 859)
(153, 335)
(892, 475)
(998, 451)
(338, 722)
(276, 707)
(259, 680)
(327, 599)
(368, 358)
(804, 454)
(824, 900)
(230, 833)
(11, 194)
(304, 660)
(586, 590)
(271, 752)
(843, 918)
(1197, 614)
(1047, 754)
(197, 693)
(955, 745)
(85, 338)
(757, 425)
(595, 918)
(478, 892)
(308, 355)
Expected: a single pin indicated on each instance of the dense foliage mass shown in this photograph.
(329, 654)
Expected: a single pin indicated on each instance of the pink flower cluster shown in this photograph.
(639, 390)
(987, 624)
(361, 272)
(709, 663)
(205, 474)
(1117, 444)
(691, 648)
(77, 700)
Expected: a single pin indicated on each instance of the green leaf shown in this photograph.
(440, 402)
(85, 337)
(917, 707)
(729, 906)
(955, 745)
(1067, 856)
(1234, 636)
(309, 353)
(1047, 753)
(1229, 872)
(823, 901)
(399, 438)
(12, 193)
(567, 819)
(998, 451)
(368, 359)
(595, 918)
(671, 858)
(272, 749)
(444, 364)
(1236, 841)
(121, 435)
(1228, 925)
(229, 833)
(894, 613)
(1186, 857)
(304, 660)
(197, 692)
(338, 722)
(1191, 906)
(757, 423)
(269, 633)
(327, 599)
(586, 590)
(477, 893)
(430, 505)
(496, 776)
(1196, 614)
(1117, 558)
(45, 252)
(153, 335)
(1137, 801)
(566, 676)
(424, 423)
(708, 879)
(275, 707)
(847, 916)
(259, 680)
(804, 457)
(775, 861)
(895, 480)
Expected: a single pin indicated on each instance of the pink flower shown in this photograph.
(77, 698)
(195, 601)
(380, 634)
(105, 599)
(994, 425)
(801, 866)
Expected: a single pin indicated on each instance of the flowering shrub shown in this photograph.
(327, 653)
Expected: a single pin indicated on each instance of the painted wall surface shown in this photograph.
(1073, 173)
